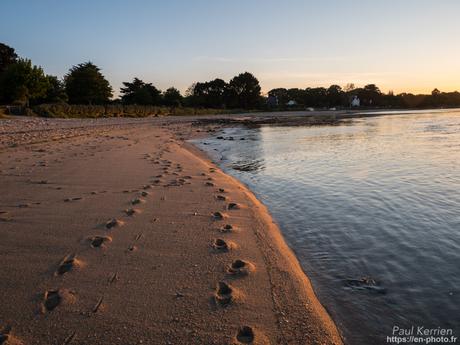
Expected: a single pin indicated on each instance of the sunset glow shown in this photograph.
(401, 46)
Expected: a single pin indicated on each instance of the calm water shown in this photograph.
(371, 208)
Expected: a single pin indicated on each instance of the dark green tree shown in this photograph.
(85, 84)
(55, 92)
(22, 82)
(138, 92)
(436, 98)
(130, 92)
(335, 96)
(172, 97)
(244, 91)
(315, 97)
(296, 95)
(190, 99)
(210, 94)
(216, 91)
(7, 56)
(391, 100)
(370, 95)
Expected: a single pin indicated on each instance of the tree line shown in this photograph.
(369, 96)
(23, 83)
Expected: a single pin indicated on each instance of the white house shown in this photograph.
(355, 102)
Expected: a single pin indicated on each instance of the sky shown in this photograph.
(400, 45)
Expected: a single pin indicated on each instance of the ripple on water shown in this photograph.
(371, 209)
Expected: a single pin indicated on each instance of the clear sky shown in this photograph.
(401, 45)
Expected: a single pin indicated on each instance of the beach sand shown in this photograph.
(118, 231)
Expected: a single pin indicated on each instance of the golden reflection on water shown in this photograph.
(372, 197)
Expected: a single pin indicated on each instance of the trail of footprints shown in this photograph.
(225, 294)
(53, 298)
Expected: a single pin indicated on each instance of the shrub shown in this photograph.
(63, 110)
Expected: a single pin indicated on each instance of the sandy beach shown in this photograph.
(119, 231)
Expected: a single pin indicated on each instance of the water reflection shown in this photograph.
(248, 160)
(370, 209)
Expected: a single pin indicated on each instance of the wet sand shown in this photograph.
(118, 231)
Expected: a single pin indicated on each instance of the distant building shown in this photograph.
(272, 101)
(355, 102)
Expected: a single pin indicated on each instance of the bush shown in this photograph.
(63, 110)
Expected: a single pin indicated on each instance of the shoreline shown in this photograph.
(66, 181)
(115, 227)
(39, 129)
(281, 261)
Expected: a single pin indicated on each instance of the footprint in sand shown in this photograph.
(7, 338)
(227, 228)
(67, 264)
(245, 335)
(222, 245)
(221, 190)
(54, 298)
(5, 216)
(99, 241)
(112, 223)
(233, 206)
(144, 193)
(131, 211)
(137, 201)
(221, 197)
(224, 294)
(5, 335)
(218, 216)
(131, 248)
(240, 268)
